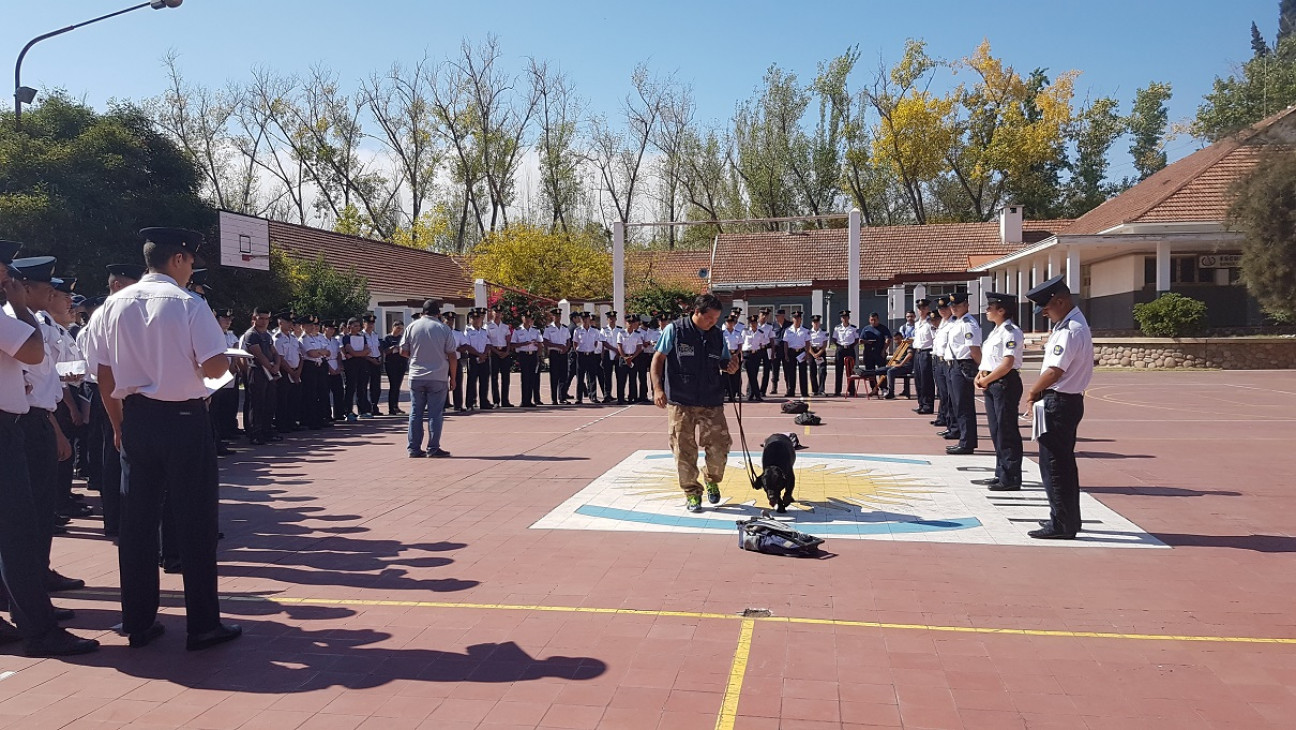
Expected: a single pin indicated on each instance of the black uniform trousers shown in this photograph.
(374, 381)
(773, 359)
(606, 366)
(261, 405)
(20, 563)
(356, 396)
(110, 466)
(624, 375)
(66, 467)
(224, 407)
(558, 379)
(479, 376)
(337, 392)
(42, 470)
(642, 364)
(1002, 398)
(455, 397)
(752, 361)
(733, 385)
(923, 381)
(1062, 415)
(843, 362)
(963, 402)
(315, 394)
(288, 397)
(572, 358)
(588, 373)
(396, 368)
(794, 371)
(818, 374)
(941, 377)
(529, 364)
(172, 467)
(501, 376)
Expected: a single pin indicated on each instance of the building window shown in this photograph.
(1183, 270)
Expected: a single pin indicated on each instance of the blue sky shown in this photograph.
(721, 49)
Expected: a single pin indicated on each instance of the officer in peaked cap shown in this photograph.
(121, 276)
(557, 344)
(609, 335)
(1064, 376)
(156, 398)
(941, 367)
(999, 378)
(845, 335)
(923, 338)
(455, 397)
(22, 522)
(965, 357)
(198, 283)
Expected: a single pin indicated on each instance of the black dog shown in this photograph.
(778, 479)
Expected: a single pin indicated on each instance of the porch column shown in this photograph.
(1054, 263)
(853, 264)
(1162, 267)
(742, 305)
(1073, 270)
(479, 293)
(618, 267)
(816, 304)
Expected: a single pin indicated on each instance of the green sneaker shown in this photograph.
(713, 492)
(693, 502)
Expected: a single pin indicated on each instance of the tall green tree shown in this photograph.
(1147, 124)
(1099, 125)
(1286, 19)
(1264, 210)
(315, 287)
(1262, 86)
(78, 184)
(1258, 45)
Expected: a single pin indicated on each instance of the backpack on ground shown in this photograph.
(775, 538)
(796, 406)
(808, 419)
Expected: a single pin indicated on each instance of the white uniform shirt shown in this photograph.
(940, 341)
(460, 341)
(478, 339)
(556, 335)
(924, 336)
(795, 337)
(586, 340)
(288, 347)
(498, 334)
(1004, 341)
(527, 339)
(965, 334)
(373, 341)
(13, 389)
(628, 341)
(1070, 348)
(740, 326)
(608, 338)
(67, 349)
(651, 336)
(155, 338)
(313, 342)
(907, 330)
(846, 335)
(44, 389)
(335, 353)
(733, 339)
(754, 339)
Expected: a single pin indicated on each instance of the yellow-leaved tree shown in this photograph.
(553, 264)
(1006, 128)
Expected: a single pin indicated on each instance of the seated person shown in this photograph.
(899, 369)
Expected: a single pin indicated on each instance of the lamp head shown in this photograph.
(25, 94)
(159, 4)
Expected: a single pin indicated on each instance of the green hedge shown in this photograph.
(1171, 315)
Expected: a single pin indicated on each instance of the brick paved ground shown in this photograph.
(344, 561)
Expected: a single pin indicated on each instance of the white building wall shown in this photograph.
(1116, 276)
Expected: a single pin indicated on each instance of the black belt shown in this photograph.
(796, 349)
(138, 399)
(964, 359)
(1062, 394)
(7, 417)
(924, 349)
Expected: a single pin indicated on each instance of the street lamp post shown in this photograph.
(26, 94)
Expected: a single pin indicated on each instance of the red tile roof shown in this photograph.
(890, 254)
(667, 268)
(1196, 188)
(392, 271)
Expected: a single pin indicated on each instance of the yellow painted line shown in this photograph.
(729, 708)
(290, 600)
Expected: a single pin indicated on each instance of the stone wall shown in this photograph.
(1230, 353)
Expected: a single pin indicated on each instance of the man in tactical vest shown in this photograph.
(688, 374)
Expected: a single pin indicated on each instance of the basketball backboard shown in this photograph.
(244, 241)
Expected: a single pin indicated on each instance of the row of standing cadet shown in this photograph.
(953, 362)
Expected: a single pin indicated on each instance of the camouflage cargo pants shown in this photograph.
(692, 427)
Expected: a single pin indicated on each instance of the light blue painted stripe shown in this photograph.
(814, 455)
(812, 528)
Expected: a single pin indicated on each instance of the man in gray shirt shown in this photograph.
(433, 355)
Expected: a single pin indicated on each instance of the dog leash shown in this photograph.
(742, 437)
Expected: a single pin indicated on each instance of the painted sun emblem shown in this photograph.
(845, 488)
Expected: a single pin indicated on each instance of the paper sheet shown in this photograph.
(236, 352)
(215, 384)
(1039, 426)
(71, 367)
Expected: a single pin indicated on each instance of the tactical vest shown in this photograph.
(693, 366)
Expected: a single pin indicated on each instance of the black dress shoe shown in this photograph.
(76, 510)
(1046, 523)
(64, 614)
(218, 635)
(58, 642)
(172, 567)
(145, 637)
(951, 436)
(1005, 487)
(1048, 533)
(55, 583)
(9, 633)
(937, 422)
(992, 481)
(960, 450)
(942, 433)
(223, 451)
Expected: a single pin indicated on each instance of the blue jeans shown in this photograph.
(427, 403)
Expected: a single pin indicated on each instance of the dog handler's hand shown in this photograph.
(659, 396)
